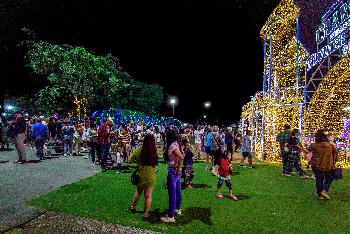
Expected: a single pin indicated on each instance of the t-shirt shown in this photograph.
(208, 140)
(246, 144)
(229, 138)
(39, 131)
(188, 160)
(120, 158)
(197, 137)
(224, 169)
(173, 159)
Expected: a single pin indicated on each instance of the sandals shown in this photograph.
(219, 195)
(234, 198)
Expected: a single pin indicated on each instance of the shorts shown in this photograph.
(227, 181)
(246, 154)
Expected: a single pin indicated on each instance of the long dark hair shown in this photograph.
(321, 136)
(149, 155)
(171, 137)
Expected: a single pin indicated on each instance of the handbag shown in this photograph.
(135, 178)
(338, 172)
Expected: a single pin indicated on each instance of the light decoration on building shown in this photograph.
(282, 98)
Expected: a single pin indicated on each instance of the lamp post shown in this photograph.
(206, 105)
(173, 102)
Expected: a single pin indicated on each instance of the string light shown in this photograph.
(266, 114)
(285, 68)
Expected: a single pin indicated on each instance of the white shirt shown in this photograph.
(120, 158)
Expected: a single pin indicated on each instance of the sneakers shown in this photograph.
(304, 177)
(167, 219)
(178, 212)
(241, 165)
(219, 195)
(65, 155)
(20, 162)
(286, 174)
(234, 198)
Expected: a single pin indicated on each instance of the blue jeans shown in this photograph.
(120, 168)
(39, 145)
(324, 180)
(68, 146)
(174, 191)
(103, 153)
(93, 149)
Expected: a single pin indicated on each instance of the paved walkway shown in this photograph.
(20, 183)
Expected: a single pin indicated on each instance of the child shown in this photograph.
(120, 160)
(188, 164)
(224, 175)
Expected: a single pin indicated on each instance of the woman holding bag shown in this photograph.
(147, 159)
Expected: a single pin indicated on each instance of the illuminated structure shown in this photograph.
(309, 89)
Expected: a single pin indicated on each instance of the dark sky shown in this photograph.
(198, 50)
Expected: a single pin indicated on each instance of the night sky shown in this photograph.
(198, 50)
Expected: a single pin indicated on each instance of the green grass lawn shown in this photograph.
(269, 203)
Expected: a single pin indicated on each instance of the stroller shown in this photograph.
(56, 145)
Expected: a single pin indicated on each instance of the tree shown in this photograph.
(80, 77)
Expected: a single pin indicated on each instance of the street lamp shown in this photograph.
(207, 104)
(173, 102)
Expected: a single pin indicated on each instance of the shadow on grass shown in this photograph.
(2, 162)
(187, 216)
(340, 196)
(239, 196)
(201, 186)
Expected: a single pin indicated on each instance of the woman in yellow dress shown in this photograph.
(147, 159)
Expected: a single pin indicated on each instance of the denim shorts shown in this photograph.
(246, 154)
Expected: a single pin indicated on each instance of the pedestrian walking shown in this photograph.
(324, 158)
(40, 135)
(18, 129)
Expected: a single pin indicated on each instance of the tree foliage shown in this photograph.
(76, 73)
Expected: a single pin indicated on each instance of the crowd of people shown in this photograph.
(110, 144)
